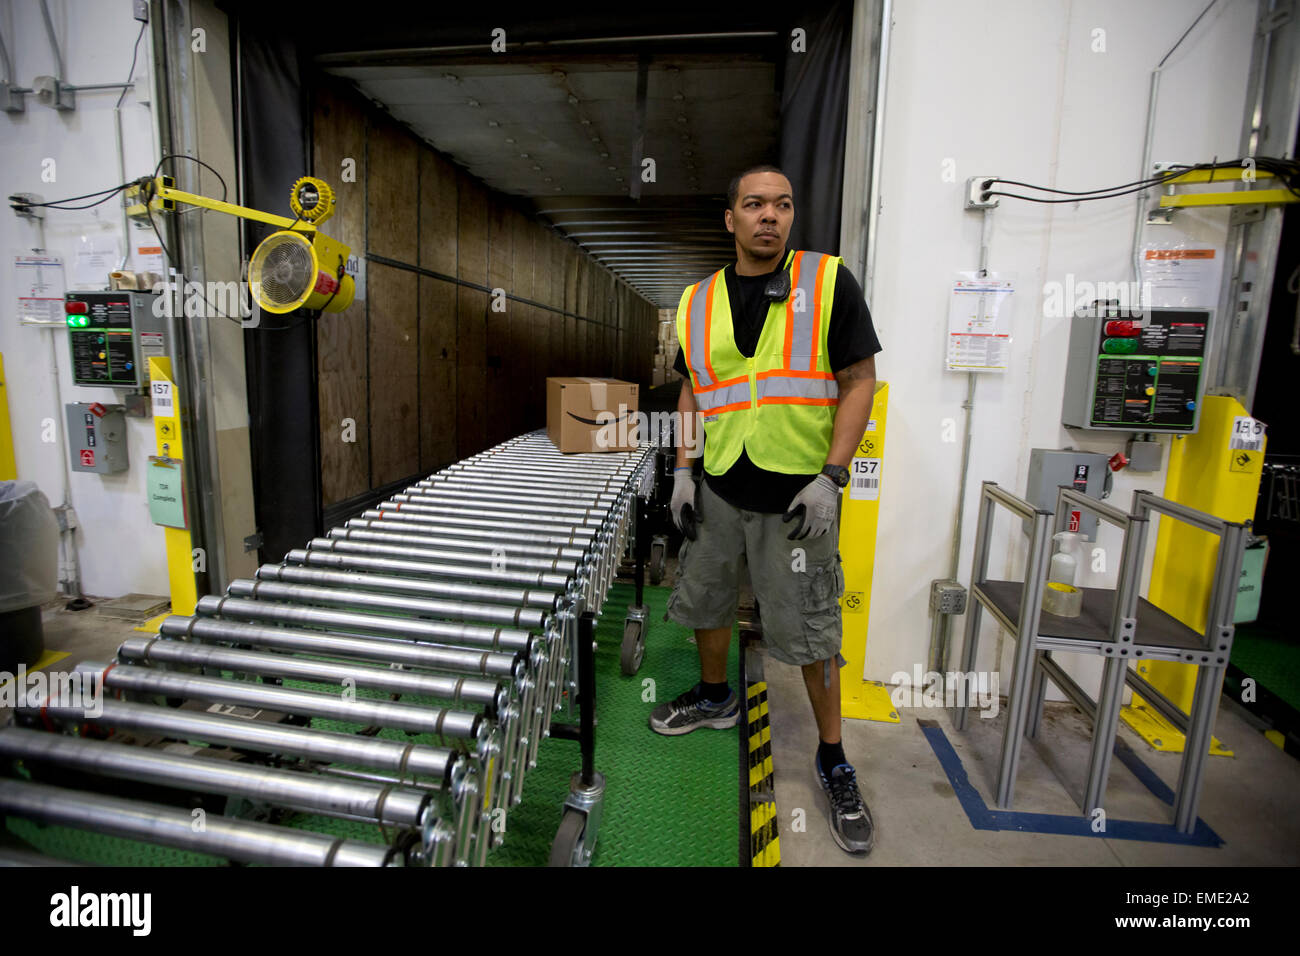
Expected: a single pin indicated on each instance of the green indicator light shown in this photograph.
(1119, 346)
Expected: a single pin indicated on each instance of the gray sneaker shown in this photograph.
(850, 820)
(690, 711)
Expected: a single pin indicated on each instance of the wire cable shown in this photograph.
(193, 159)
(134, 54)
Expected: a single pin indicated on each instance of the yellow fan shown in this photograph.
(296, 267)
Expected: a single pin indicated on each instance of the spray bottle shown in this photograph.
(1061, 597)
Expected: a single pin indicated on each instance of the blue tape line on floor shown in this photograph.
(982, 818)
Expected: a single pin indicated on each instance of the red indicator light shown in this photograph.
(1122, 328)
(72, 306)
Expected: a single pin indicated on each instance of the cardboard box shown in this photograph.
(591, 414)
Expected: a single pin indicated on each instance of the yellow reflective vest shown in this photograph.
(779, 406)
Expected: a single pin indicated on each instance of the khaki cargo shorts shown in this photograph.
(797, 583)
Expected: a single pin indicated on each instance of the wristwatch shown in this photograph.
(838, 474)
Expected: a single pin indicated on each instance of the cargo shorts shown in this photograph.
(797, 584)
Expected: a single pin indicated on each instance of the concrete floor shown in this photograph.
(1250, 800)
(83, 635)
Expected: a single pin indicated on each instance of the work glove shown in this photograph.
(685, 504)
(814, 507)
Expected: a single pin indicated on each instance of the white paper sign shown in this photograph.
(1247, 434)
(39, 280)
(979, 323)
(164, 405)
(864, 479)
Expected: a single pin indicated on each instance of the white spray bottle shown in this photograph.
(1061, 597)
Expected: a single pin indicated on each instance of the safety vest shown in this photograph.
(779, 406)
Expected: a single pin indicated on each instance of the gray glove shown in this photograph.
(815, 507)
(685, 507)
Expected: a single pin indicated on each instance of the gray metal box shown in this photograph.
(96, 437)
(1083, 471)
(1136, 373)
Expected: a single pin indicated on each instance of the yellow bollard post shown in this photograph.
(8, 467)
(170, 453)
(859, 514)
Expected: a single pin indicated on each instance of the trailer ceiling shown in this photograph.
(563, 132)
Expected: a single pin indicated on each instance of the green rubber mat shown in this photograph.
(669, 801)
(1271, 657)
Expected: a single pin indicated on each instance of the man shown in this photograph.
(777, 352)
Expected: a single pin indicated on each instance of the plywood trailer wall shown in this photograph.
(434, 363)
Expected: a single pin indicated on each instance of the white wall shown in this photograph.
(1013, 88)
(119, 548)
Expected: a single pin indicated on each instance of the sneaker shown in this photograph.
(850, 820)
(690, 711)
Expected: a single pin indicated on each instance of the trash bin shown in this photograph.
(29, 569)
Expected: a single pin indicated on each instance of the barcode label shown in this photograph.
(1247, 434)
(864, 479)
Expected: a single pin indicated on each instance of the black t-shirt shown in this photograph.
(851, 337)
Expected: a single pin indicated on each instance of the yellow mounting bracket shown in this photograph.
(166, 196)
(1237, 197)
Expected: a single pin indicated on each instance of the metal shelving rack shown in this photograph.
(1117, 624)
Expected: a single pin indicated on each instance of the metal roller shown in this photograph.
(544, 598)
(392, 806)
(460, 690)
(434, 657)
(220, 836)
(405, 760)
(380, 520)
(451, 521)
(240, 609)
(483, 564)
(573, 503)
(537, 579)
(421, 720)
(363, 530)
(370, 592)
(489, 514)
(519, 489)
(440, 498)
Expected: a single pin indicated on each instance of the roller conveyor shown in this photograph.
(459, 609)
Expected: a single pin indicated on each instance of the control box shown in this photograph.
(112, 335)
(96, 437)
(1136, 376)
(1084, 471)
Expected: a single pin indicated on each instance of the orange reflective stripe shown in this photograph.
(817, 310)
(689, 303)
(734, 407)
(789, 308)
(708, 328)
(731, 381)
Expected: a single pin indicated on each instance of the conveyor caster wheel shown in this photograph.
(633, 646)
(575, 841)
(567, 850)
(658, 558)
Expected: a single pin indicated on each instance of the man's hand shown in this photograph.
(684, 506)
(815, 507)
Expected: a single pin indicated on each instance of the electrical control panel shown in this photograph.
(111, 336)
(96, 437)
(1142, 374)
